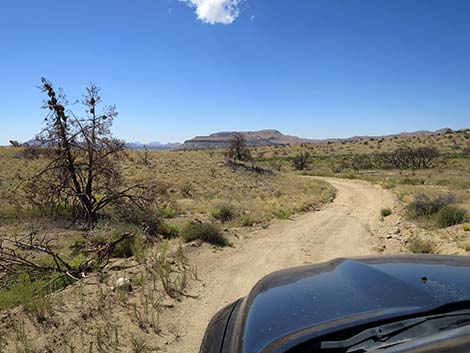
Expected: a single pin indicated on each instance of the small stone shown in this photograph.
(122, 283)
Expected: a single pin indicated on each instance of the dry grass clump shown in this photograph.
(465, 245)
(420, 245)
(207, 232)
(224, 212)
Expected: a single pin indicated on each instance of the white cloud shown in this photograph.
(215, 11)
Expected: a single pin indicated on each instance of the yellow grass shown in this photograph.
(197, 180)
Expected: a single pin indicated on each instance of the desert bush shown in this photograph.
(30, 152)
(419, 245)
(187, 190)
(465, 245)
(300, 162)
(384, 212)
(207, 232)
(133, 246)
(248, 220)
(466, 227)
(407, 158)
(148, 219)
(451, 215)
(412, 181)
(168, 231)
(238, 149)
(425, 206)
(282, 213)
(224, 212)
(167, 212)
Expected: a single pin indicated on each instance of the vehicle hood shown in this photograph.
(286, 306)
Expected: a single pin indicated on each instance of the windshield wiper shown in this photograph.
(376, 332)
(384, 332)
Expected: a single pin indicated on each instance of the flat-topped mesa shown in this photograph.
(269, 137)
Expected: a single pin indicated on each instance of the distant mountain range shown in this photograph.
(129, 145)
(252, 139)
(269, 137)
(275, 137)
(152, 145)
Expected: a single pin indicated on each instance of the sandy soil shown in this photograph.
(350, 226)
(347, 227)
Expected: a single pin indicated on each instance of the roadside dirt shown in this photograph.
(350, 226)
(90, 311)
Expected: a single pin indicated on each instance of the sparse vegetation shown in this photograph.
(300, 162)
(238, 149)
(144, 274)
(451, 215)
(224, 212)
(32, 295)
(384, 212)
(206, 232)
(426, 206)
(419, 245)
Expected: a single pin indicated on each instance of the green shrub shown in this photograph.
(386, 212)
(167, 213)
(425, 206)
(133, 246)
(451, 215)
(282, 214)
(147, 219)
(420, 245)
(207, 232)
(29, 293)
(250, 219)
(412, 181)
(224, 212)
(351, 176)
(169, 231)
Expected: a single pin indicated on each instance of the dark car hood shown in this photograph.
(286, 305)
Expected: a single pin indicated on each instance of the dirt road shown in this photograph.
(340, 229)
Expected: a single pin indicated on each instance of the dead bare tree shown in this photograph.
(27, 254)
(84, 172)
(300, 162)
(238, 149)
(145, 156)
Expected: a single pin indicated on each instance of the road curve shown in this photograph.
(340, 229)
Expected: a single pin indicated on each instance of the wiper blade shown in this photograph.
(376, 332)
(382, 333)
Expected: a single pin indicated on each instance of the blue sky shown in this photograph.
(175, 69)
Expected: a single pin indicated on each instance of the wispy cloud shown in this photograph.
(215, 11)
